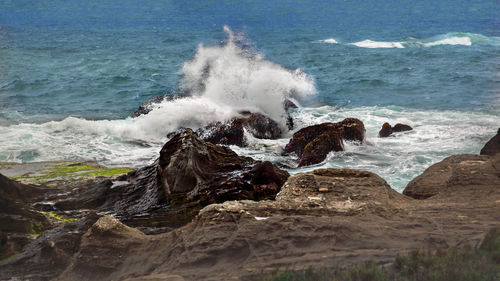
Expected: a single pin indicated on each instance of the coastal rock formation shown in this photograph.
(231, 132)
(189, 174)
(321, 218)
(313, 143)
(492, 147)
(192, 170)
(387, 129)
(455, 173)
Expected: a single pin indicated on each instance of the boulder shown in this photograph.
(387, 130)
(232, 131)
(193, 171)
(313, 143)
(455, 173)
(492, 147)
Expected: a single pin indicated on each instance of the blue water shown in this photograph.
(432, 64)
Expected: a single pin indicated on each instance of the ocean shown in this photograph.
(71, 72)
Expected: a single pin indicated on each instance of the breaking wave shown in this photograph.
(453, 38)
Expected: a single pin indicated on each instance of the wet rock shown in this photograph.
(194, 172)
(492, 147)
(147, 106)
(189, 175)
(387, 130)
(231, 132)
(454, 173)
(313, 143)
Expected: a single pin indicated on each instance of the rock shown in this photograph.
(19, 222)
(231, 132)
(47, 256)
(360, 219)
(312, 144)
(454, 173)
(192, 170)
(387, 130)
(147, 106)
(492, 147)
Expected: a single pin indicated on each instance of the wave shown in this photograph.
(329, 41)
(375, 44)
(217, 83)
(452, 38)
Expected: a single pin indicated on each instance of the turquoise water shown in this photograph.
(71, 73)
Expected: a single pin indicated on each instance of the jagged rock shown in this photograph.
(147, 106)
(313, 143)
(328, 216)
(455, 172)
(231, 132)
(492, 147)
(192, 170)
(387, 130)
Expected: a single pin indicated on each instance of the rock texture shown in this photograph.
(492, 147)
(189, 174)
(324, 218)
(19, 222)
(312, 144)
(455, 173)
(232, 132)
(387, 129)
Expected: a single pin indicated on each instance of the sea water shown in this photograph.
(71, 72)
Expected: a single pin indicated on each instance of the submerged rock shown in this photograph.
(313, 143)
(387, 130)
(492, 147)
(147, 106)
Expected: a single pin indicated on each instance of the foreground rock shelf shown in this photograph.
(324, 218)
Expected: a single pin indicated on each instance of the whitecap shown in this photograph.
(377, 44)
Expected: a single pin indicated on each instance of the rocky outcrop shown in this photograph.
(454, 173)
(196, 172)
(232, 132)
(388, 130)
(189, 174)
(492, 147)
(312, 144)
(324, 217)
(49, 254)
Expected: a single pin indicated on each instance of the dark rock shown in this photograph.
(401, 128)
(387, 130)
(453, 173)
(232, 132)
(49, 254)
(492, 147)
(198, 173)
(189, 174)
(312, 144)
(147, 106)
(19, 222)
(289, 106)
